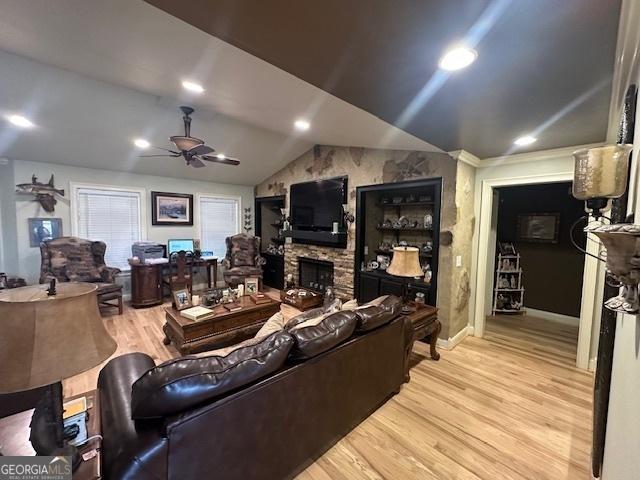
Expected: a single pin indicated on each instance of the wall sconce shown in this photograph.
(602, 174)
(348, 216)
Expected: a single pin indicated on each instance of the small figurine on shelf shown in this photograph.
(428, 221)
(513, 282)
(428, 273)
(289, 281)
(503, 282)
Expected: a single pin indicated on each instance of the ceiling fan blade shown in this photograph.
(201, 150)
(226, 160)
(162, 155)
(166, 150)
(195, 162)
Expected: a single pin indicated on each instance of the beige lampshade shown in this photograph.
(45, 339)
(601, 172)
(405, 262)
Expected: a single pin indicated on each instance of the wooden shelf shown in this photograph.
(390, 253)
(412, 229)
(510, 271)
(405, 204)
(510, 289)
(277, 240)
(522, 310)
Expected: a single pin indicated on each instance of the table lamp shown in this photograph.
(49, 334)
(405, 262)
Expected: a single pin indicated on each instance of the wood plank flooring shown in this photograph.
(508, 406)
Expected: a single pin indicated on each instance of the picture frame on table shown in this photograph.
(181, 299)
(251, 285)
(175, 209)
(538, 227)
(41, 229)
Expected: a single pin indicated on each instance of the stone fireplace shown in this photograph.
(341, 259)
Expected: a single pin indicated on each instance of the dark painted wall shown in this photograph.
(552, 272)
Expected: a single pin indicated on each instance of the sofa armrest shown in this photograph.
(109, 274)
(131, 449)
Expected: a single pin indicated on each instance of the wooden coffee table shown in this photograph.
(220, 329)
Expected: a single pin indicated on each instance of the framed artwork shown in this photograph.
(41, 229)
(251, 285)
(538, 227)
(171, 209)
(181, 299)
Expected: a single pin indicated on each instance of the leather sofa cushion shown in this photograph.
(372, 316)
(183, 383)
(304, 317)
(321, 333)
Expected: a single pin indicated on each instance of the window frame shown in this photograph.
(197, 211)
(75, 188)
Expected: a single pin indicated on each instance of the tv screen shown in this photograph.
(316, 205)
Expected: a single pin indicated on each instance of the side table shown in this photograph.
(14, 437)
(425, 325)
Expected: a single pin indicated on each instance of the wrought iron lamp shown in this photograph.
(348, 216)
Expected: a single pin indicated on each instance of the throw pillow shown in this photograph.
(274, 324)
(377, 301)
(350, 305)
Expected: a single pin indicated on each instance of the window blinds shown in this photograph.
(112, 216)
(218, 220)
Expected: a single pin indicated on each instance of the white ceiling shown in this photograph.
(109, 71)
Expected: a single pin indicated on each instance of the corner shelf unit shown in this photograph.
(510, 271)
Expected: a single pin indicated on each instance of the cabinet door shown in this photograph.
(391, 287)
(369, 288)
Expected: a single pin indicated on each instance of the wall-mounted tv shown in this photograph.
(314, 206)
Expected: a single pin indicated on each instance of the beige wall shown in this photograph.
(373, 166)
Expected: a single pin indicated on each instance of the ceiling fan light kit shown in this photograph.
(192, 149)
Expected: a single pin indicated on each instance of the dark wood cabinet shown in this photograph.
(273, 270)
(146, 285)
(373, 284)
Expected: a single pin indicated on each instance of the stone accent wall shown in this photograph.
(366, 166)
(342, 259)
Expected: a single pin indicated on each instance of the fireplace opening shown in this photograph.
(315, 274)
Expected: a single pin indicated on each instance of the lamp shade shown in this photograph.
(45, 339)
(601, 172)
(405, 262)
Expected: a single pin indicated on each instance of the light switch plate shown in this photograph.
(458, 260)
(366, 249)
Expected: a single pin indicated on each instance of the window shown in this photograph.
(112, 215)
(219, 219)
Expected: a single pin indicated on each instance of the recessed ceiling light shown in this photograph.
(20, 121)
(525, 140)
(301, 125)
(141, 143)
(221, 156)
(192, 86)
(457, 58)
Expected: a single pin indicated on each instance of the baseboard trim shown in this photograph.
(451, 342)
(553, 317)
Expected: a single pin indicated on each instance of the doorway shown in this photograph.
(537, 287)
(486, 267)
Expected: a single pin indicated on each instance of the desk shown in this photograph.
(146, 280)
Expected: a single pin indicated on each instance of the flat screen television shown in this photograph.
(316, 205)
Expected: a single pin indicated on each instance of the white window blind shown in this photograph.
(219, 219)
(112, 216)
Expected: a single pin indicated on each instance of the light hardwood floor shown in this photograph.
(508, 406)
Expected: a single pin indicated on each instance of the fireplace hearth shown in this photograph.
(315, 274)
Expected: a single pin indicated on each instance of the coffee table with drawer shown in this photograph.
(220, 329)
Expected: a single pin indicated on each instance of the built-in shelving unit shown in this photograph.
(269, 228)
(374, 205)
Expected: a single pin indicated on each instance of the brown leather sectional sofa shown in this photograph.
(193, 421)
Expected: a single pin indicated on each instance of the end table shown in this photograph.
(425, 325)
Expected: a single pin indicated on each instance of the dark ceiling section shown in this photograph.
(543, 65)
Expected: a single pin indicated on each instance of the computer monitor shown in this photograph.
(175, 245)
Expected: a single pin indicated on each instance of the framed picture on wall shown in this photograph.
(41, 229)
(538, 227)
(171, 209)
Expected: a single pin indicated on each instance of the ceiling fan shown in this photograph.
(192, 149)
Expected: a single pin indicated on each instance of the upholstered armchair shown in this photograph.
(71, 259)
(242, 259)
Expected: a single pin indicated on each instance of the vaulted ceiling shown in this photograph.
(544, 66)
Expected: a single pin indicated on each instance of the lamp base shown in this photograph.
(47, 436)
(596, 205)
